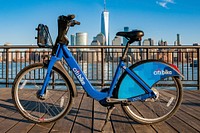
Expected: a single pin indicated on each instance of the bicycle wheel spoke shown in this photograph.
(158, 109)
(57, 100)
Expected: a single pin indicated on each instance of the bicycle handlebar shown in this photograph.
(64, 23)
(68, 20)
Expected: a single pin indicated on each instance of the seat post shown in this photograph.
(126, 50)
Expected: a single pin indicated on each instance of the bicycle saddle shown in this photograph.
(135, 35)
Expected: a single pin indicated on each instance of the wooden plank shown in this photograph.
(83, 122)
(8, 113)
(88, 115)
(181, 126)
(120, 121)
(191, 104)
(10, 121)
(66, 124)
(163, 127)
(193, 94)
(99, 119)
(191, 97)
(22, 127)
(190, 120)
(6, 109)
(6, 104)
(139, 128)
(41, 128)
(190, 109)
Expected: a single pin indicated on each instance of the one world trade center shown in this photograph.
(105, 24)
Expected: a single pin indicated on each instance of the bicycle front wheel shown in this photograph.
(58, 98)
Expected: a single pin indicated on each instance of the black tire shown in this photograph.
(154, 111)
(58, 99)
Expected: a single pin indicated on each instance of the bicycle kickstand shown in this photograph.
(110, 110)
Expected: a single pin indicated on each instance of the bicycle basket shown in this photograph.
(43, 37)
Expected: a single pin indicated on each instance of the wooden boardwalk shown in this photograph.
(88, 116)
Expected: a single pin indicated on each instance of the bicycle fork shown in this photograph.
(41, 94)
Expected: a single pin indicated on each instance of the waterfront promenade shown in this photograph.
(88, 116)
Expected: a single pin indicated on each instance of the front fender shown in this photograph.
(60, 67)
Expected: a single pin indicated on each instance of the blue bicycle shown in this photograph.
(149, 91)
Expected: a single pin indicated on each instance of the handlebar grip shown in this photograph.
(66, 18)
(70, 17)
(76, 22)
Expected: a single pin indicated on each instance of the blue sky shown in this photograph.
(157, 18)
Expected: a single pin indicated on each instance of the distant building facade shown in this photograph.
(81, 39)
(116, 52)
(73, 40)
(101, 38)
(148, 42)
(96, 53)
(126, 29)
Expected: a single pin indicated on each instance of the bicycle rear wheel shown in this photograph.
(58, 99)
(169, 97)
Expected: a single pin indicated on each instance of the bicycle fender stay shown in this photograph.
(150, 71)
(58, 65)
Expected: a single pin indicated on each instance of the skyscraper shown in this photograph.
(105, 24)
(73, 40)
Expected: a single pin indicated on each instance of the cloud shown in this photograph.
(164, 3)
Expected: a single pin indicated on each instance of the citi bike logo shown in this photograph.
(79, 76)
(162, 72)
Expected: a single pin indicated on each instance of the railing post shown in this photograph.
(198, 58)
(147, 53)
(102, 67)
(7, 66)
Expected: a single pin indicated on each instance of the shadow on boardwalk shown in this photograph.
(88, 115)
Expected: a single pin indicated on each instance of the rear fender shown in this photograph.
(150, 71)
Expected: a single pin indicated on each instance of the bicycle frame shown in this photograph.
(63, 52)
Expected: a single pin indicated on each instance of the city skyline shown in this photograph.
(159, 19)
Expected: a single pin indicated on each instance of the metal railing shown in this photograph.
(99, 62)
